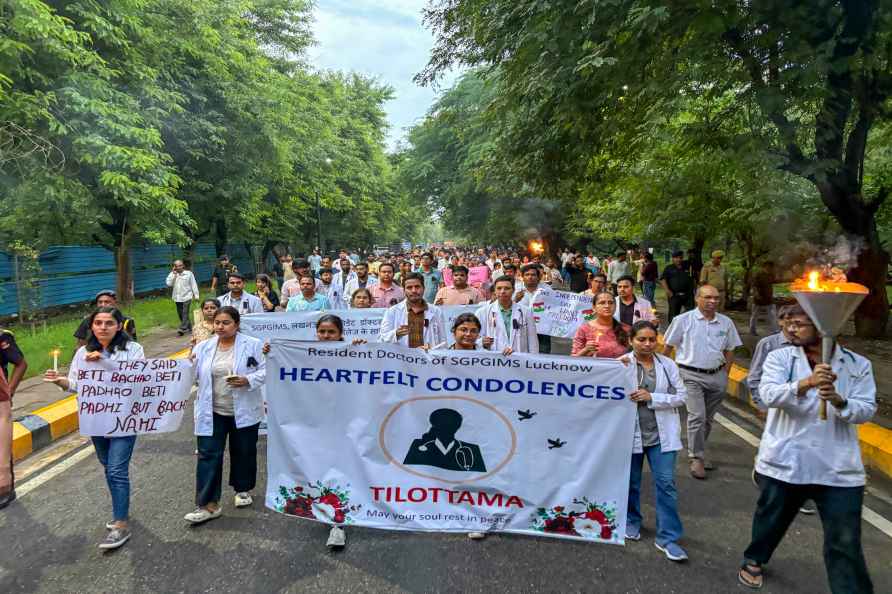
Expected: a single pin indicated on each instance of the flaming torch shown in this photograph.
(828, 301)
(536, 247)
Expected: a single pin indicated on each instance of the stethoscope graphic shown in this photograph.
(464, 456)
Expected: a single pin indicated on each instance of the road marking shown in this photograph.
(867, 514)
(30, 485)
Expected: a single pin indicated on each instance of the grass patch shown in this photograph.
(38, 340)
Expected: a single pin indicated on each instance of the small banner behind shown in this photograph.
(560, 313)
(383, 436)
(116, 398)
(358, 323)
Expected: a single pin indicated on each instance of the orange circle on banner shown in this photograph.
(403, 467)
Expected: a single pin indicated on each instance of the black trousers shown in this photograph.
(242, 460)
(676, 303)
(184, 313)
(544, 343)
(840, 510)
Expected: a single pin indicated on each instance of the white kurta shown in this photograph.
(523, 328)
(797, 447)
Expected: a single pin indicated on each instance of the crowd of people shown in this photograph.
(688, 368)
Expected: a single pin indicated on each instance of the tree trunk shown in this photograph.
(697, 244)
(122, 262)
(858, 220)
(221, 237)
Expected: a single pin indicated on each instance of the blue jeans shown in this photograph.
(114, 454)
(649, 288)
(662, 466)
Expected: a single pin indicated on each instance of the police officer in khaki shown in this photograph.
(714, 274)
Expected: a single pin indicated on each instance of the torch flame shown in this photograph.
(536, 248)
(834, 282)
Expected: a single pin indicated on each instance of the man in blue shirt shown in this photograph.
(309, 299)
(433, 278)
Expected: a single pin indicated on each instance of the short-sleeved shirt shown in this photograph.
(678, 279)
(453, 296)
(578, 279)
(700, 342)
(432, 282)
(627, 312)
(319, 302)
(83, 331)
(382, 297)
(713, 275)
(222, 273)
(9, 352)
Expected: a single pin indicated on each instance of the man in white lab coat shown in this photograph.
(414, 322)
(801, 457)
(508, 327)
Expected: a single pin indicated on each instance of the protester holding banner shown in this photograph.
(108, 340)
(230, 370)
(204, 327)
(603, 335)
(413, 322)
(532, 277)
(657, 437)
(508, 326)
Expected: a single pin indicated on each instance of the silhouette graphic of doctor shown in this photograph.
(438, 447)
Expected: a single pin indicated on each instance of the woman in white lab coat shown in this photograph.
(230, 370)
(660, 392)
(499, 332)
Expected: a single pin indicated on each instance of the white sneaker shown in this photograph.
(202, 515)
(476, 535)
(243, 499)
(337, 538)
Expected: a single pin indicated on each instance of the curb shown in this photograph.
(45, 425)
(876, 441)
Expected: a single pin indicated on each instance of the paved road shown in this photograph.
(49, 540)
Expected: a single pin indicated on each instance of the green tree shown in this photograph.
(582, 78)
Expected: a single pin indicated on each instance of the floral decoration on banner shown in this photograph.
(317, 502)
(594, 521)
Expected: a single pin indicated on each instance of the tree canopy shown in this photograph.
(587, 87)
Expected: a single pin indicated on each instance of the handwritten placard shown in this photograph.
(116, 398)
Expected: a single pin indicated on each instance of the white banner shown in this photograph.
(388, 437)
(358, 323)
(116, 398)
(560, 313)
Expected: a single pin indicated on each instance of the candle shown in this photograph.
(55, 354)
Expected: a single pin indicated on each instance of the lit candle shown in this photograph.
(55, 354)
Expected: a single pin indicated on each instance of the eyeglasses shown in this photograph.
(794, 326)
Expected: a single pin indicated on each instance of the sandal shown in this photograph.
(751, 578)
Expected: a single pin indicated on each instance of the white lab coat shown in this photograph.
(184, 287)
(664, 404)
(247, 401)
(398, 315)
(644, 311)
(523, 328)
(336, 279)
(247, 304)
(799, 448)
(333, 292)
(131, 352)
